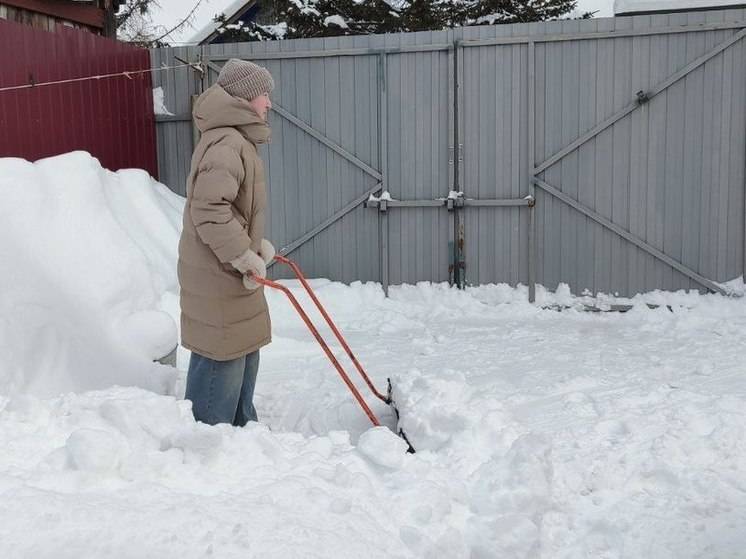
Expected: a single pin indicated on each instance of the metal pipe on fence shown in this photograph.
(531, 171)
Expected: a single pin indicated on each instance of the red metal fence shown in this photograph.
(111, 118)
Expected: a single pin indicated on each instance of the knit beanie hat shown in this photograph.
(244, 79)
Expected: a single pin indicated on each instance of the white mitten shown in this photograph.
(250, 263)
(267, 251)
(250, 284)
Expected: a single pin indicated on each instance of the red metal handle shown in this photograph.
(331, 324)
(322, 343)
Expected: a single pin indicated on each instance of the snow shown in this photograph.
(205, 28)
(279, 30)
(633, 6)
(453, 195)
(335, 20)
(85, 253)
(164, 15)
(159, 106)
(382, 447)
(306, 7)
(385, 195)
(541, 430)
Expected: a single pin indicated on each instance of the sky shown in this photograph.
(605, 8)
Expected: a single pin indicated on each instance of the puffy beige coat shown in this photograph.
(223, 217)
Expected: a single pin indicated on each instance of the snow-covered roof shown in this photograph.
(201, 23)
(635, 6)
(211, 26)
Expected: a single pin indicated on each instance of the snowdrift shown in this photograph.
(87, 256)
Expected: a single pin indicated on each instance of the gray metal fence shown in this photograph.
(608, 154)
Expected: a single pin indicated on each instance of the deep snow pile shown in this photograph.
(540, 433)
(87, 256)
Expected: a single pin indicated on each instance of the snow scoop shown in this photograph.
(345, 377)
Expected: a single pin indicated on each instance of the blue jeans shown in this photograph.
(222, 391)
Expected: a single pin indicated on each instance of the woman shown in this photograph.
(224, 315)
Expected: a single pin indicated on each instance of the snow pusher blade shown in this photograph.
(304, 316)
(391, 402)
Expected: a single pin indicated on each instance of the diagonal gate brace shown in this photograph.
(703, 281)
(646, 96)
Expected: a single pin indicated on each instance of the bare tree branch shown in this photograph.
(181, 23)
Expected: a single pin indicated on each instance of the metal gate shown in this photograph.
(321, 169)
(607, 154)
(546, 175)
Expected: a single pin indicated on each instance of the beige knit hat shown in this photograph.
(241, 78)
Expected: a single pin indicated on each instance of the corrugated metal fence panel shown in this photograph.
(308, 181)
(174, 137)
(418, 153)
(671, 172)
(731, 116)
(111, 118)
(495, 156)
(570, 93)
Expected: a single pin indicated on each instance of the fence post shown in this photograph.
(452, 141)
(531, 172)
(383, 117)
(459, 264)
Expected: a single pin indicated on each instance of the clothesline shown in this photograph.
(126, 73)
